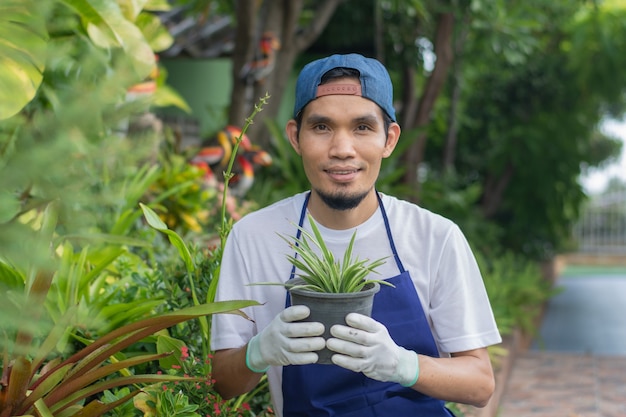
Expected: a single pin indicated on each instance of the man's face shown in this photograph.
(342, 142)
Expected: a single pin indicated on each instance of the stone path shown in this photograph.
(548, 384)
(577, 365)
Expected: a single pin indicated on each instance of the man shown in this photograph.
(426, 341)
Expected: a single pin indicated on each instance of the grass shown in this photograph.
(587, 270)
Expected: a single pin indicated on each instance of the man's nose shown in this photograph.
(342, 144)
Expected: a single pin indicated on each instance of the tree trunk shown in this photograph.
(245, 42)
(280, 17)
(494, 191)
(443, 51)
(449, 152)
(409, 98)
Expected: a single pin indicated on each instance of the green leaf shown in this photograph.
(100, 386)
(9, 205)
(50, 382)
(108, 238)
(157, 5)
(131, 8)
(165, 96)
(169, 344)
(108, 27)
(152, 218)
(10, 276)
(158, 224)
(98, 408)
(154, 32)
(324, 273)
(19, 378)
(54, 336)
(23, 42)
(116, 314)
(42, 409)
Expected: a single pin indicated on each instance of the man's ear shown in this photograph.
(292, 134)
(393, 135)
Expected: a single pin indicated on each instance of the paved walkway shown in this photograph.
(577, 365)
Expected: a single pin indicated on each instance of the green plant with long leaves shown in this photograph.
(208, 398)
(38, 378)
(322, 272)
(60, 159)
(190, 397)
(225, 226)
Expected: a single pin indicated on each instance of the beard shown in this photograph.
(341, 201)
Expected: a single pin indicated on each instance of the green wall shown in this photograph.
(205, 85)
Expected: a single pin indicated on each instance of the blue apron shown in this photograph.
(327, 390)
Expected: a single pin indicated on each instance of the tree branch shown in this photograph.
(494, 191)
(436, 81)
(322, 16)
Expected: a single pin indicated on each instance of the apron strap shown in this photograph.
(388, 228)
(299, 232)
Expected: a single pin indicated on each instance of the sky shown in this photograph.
(596, 180)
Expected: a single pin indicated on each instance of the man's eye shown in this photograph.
(320, 127)
(363, 127)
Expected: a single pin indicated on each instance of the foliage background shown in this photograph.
(496, 131)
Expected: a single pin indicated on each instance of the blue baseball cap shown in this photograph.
(375, 82)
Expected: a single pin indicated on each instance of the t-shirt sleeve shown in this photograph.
(459, 306)
(229, 330)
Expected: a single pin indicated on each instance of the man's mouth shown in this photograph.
(342, 175)
(342, 172)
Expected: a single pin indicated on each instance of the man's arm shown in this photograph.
(466, 377)
(232, 376)
(365, 346)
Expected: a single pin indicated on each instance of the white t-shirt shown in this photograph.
(431, 248)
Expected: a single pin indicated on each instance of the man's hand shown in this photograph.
(365, 346)
(284, 342)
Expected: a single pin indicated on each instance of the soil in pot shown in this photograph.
(332, 308)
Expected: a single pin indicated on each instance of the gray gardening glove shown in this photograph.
(284, 342)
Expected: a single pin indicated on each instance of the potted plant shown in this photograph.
(330, 288)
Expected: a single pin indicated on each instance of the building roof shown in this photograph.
(197, 35)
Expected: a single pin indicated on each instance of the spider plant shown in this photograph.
(321, 272)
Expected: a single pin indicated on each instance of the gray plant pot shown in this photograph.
(332, 308)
